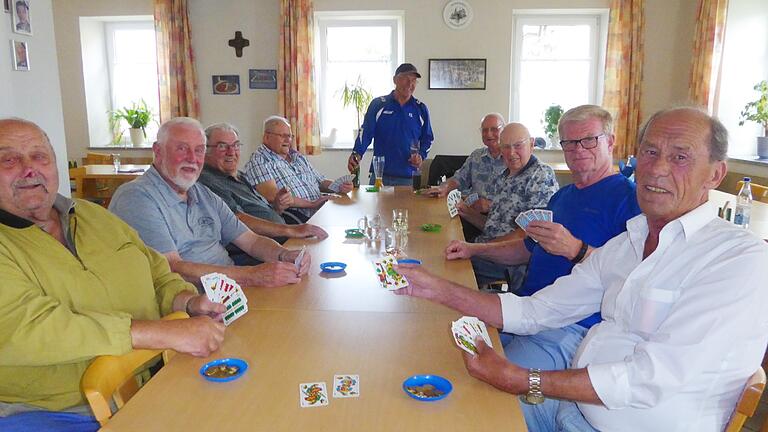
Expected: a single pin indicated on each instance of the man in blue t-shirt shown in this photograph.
(398, 124)
(586, 214)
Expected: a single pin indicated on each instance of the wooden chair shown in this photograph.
(748, 401)
(77, 182)
(759, 192)
(114, 377)
(95, 158)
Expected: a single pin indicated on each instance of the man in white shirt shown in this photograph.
(682, 295)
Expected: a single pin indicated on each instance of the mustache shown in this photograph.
(32, 181)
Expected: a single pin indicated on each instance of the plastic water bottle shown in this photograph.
(743, 204)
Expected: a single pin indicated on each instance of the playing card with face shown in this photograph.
(346, 386)
(466, 329)
(312, 395)
(388, 277)
(210, 284)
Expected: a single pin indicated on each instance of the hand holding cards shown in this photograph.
(221, 289)
(454, 197)
(389, 278)
(336, 185)
(465, 329)
(528, 216)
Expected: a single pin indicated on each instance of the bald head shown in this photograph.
(516, 146)
(714, 132)
(29, 179)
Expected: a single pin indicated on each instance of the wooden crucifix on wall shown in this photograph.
(238, 43)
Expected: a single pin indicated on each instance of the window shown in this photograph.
(119, 69)
(352, 46)
(558, 58)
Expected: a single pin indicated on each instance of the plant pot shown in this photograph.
(762, 147)
(137, 137)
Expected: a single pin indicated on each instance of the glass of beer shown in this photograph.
(378, 171)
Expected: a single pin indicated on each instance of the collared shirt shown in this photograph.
(239, 196)
(532, 187)
(392, 128)
(478, 172)
(59, 310)
(198, 228)
(682, 329)
(295, 174)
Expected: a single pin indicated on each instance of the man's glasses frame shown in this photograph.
(586, 143)
(224, 146)
(288, 137)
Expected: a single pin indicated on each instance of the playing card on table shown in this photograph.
(454, 197)
(336, 185)
(471, 199)
(346, 386)
(312, 395)
(388, 277)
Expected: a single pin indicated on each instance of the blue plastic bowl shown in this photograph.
(241, 364)
(333, 267)
(439, 382)
(409, 261)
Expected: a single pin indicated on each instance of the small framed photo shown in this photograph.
(20, 55)
(457, 74)
(262, 78)
(22, 21)
(226, 84)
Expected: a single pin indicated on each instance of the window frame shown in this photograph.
(596, 18)
(325, 19)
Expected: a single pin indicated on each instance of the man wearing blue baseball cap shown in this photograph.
(398, 124)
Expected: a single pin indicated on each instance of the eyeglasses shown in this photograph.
(491, 129)
(516, 146)
(224, 146)
(287, 137)
(586, 143)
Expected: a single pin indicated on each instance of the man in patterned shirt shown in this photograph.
(277, 167)
(526, 183)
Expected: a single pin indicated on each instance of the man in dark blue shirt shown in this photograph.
(398, 124)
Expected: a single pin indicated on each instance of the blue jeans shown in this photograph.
(392, 181)
(555, 416)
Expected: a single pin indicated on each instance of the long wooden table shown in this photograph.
(329, 325)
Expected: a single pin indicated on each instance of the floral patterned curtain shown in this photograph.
(624, 72)
(175, 61)
(707, 52)
(296, 84)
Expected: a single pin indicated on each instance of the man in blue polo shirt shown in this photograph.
(586, 214)
(398, 124)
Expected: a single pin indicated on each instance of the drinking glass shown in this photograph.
(400, 219)
(394, 241)
(116, 161)
(378, 171)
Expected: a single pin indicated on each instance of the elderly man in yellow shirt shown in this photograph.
(77, 283)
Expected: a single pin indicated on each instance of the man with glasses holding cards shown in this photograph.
(682, 294)
(279, 172)
(77, 283)
(221, 176)
(525, 184)
(585, 215)
(191, 225)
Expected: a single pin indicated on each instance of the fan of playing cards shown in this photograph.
(336, 185)
(453, 198)
(465, 329)
(528, 216)
(221, 289)
(389, 278)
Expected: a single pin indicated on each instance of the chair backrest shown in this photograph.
(759, 192)
(748, 401)
(114, 377)
(77, 181)
(444, 165)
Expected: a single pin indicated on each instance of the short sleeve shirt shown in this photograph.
(512, 194)
(198, 228)
(478, 172)
(238, 195)
(294, 174)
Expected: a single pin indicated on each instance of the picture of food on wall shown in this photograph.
(226, 84)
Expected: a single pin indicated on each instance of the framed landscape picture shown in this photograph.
(262, 78)
(457, 74)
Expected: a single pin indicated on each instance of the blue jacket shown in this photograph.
(392, 128)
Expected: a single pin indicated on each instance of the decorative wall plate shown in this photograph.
(457, 14)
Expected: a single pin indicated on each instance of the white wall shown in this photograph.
(35, 94)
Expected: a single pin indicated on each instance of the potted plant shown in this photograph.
(138, 116)
(757, 112)
(551, 119)
(357, 96)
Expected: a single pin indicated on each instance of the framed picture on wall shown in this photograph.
(22, 22)
(457, 74)
(226, 84)
(20, 52)
(262, 78)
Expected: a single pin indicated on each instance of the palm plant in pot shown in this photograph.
(357, 96)
(757, 112)
(138, 116)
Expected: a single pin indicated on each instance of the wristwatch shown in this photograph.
(534, 395)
